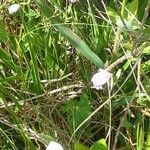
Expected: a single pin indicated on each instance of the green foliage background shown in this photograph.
(49, 51)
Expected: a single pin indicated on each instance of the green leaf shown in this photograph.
(6, 59)
(142, 34)
(33, 44)
(112, 15)
(141, 9)
(147, 146)
(99, 145)
(142, 98)
(82, 109)
(80, 45)
(3, 34)
(66, 32)
(132, 7)
(77, 111)
(146, 50)
(11, 96)
(140, 137)
(79, 146)
(146, 68)
(126, 123)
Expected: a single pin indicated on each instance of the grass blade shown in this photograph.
(73, 38)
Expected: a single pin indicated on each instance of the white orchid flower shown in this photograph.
(13, 8)
(73, 1)
(121, 25)
(54, 146)
(100, 78)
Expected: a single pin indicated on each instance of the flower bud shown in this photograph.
(13, 8)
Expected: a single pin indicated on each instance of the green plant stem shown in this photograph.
(123, 7)
(148, 137)
(116, 41)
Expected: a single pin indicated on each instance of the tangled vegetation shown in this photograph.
(49, 52)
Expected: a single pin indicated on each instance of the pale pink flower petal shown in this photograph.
(13, 8)
(100, 78)
(54, 146)
(73, 1)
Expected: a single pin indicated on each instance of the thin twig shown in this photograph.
(119, 61)
(53, 80)
(110, 116)
(145, 14)
(64, 88)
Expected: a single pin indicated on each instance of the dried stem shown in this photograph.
(119, 61)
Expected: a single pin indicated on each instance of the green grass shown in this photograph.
(49, 52)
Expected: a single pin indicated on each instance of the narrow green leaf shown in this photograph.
(34, 70)
(9, 62)
(79, 44)
(3, 34)
(66, 32)
(147, 146)
(11, 96)
(132, 7)
(140, 138)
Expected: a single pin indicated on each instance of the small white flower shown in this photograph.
(127, 23)
(118, 74)
(13, 8)
(100, 78)
(73, 1)
(54, 146)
